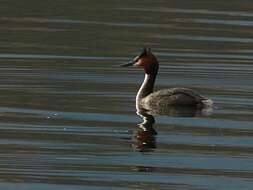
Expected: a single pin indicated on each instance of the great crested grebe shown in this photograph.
(149, 100)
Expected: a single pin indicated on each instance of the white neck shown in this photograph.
(146, 87)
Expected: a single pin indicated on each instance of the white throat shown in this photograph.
(146, 87)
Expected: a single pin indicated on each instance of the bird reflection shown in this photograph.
(144, 138)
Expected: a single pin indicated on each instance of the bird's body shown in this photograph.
(173, 97)
(164, 98)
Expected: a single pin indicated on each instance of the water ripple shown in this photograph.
(206, 38)
(63, 57)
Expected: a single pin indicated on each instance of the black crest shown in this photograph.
(145, 52)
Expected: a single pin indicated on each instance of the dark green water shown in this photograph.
(67, 112)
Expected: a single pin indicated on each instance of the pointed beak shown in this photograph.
(131, 63)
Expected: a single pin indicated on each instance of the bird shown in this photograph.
(162, 99)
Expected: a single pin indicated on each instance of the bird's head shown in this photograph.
(146, 60)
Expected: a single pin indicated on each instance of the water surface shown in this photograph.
(68, 118)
